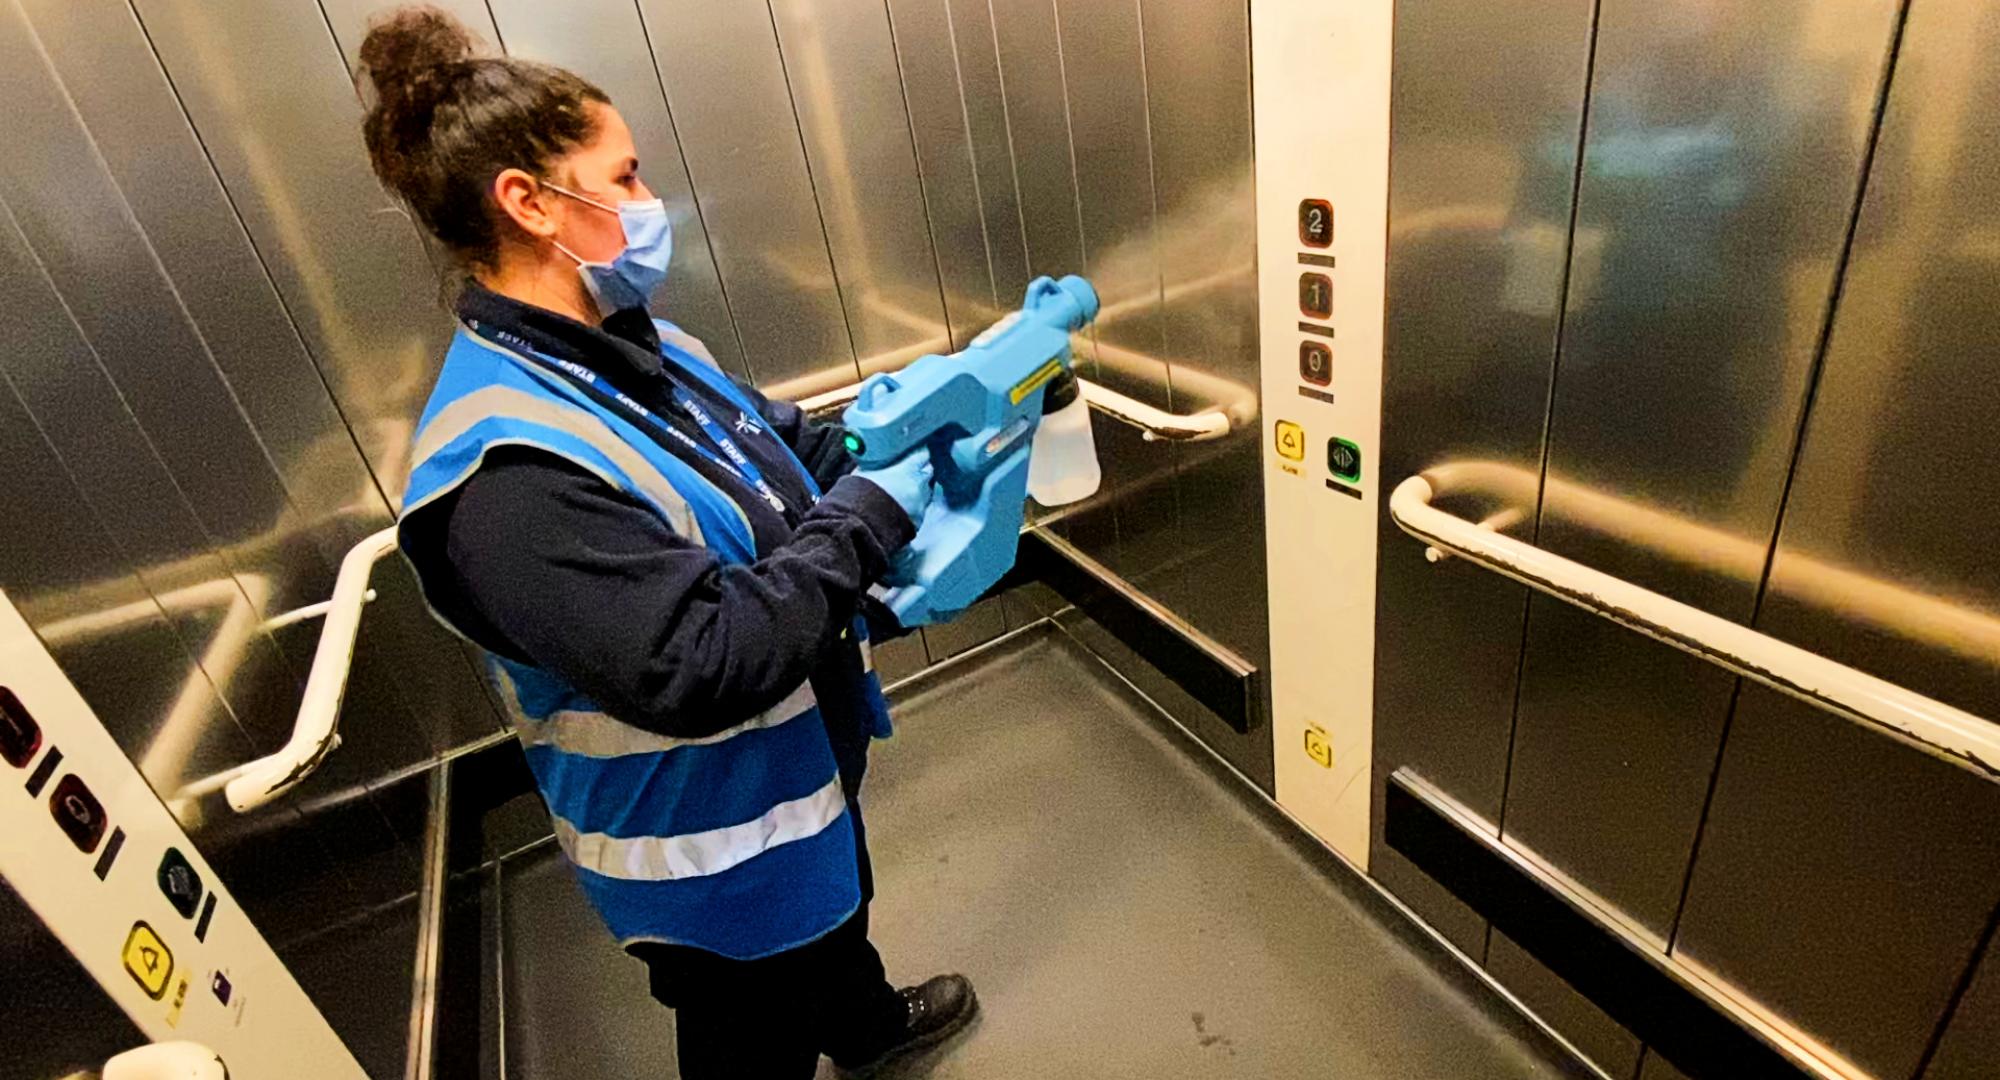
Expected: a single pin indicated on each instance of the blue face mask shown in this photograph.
(631, 279)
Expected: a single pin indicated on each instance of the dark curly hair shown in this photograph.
(444, 121)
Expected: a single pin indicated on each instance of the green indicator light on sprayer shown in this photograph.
(852, 442)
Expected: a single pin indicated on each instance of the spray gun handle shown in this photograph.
(875, 387)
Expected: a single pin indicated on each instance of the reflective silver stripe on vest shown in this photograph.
(681, 339)
(595, 734)
(691, 855)
(604, 434)
(462, 415)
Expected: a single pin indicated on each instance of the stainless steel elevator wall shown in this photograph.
(222, 329)
(1481, 172)
(1895, 481)
(1763, 354)
(1719, 167)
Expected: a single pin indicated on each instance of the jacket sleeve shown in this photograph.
(586, 582)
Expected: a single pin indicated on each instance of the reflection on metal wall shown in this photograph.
(1723, 151)
(192, 479)
(1973, 1027)
(1753, 410)
(840, 64)
(221, 329)
(1894, 481)
(1481, 173)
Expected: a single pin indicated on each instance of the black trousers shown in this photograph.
(771, 1019)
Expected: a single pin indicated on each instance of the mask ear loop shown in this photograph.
(586, 200)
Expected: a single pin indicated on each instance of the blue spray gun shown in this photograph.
(978, 413)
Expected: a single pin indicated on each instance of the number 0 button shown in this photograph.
(1315, 363)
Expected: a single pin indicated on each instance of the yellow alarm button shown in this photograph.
(1319, 748)
(149, 960)
(1291, 441)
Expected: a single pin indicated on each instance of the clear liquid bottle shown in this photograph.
(1062, 462)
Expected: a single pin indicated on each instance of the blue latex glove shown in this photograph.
(908, 481)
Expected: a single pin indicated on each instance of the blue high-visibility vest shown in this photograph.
(739, 842)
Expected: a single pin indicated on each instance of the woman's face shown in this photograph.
(606, 170)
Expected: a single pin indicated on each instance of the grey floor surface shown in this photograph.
(1122, 913)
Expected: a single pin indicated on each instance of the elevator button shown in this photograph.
(20, 736)
(180, 882)
(78, 812)
(1316, 295)
(1291, 441)
(1315, 363)
(1319, 747)
(1343, 459)
(148, 960)
(1316, 223)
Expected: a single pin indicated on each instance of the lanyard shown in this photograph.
(736, 463)
(741, 464)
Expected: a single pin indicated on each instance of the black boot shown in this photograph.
(939, 1009)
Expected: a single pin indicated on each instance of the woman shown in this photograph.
(640, 544)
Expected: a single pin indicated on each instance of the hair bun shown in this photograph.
(409, 48)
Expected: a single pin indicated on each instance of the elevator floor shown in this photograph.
(1122, 912)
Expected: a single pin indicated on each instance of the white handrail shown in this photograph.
(314, 732)
(1155, 424)
(1948, 733)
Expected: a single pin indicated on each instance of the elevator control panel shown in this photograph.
(96, 855)
(1321, 298)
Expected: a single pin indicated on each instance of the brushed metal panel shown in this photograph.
(979, 624)
(1603, 1040)
(1010, 66)
(276, 113)
(49, 364)
(60, 565)
(841, 64)
(1249, 754)
(901, 658)
(1197, 56)
(1722, 156)
(137, 126)
(1481, 177)
(1103, 70)
(605, 42)
(277, 116)
(1846, 888)
(159, 368)
(153, 680)
(726, 85)
(1850, 888)
(1967, 1050)
(71, 212)
(1655, 1067)
(77, 1025)
(928, 60)
(1028, 90)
